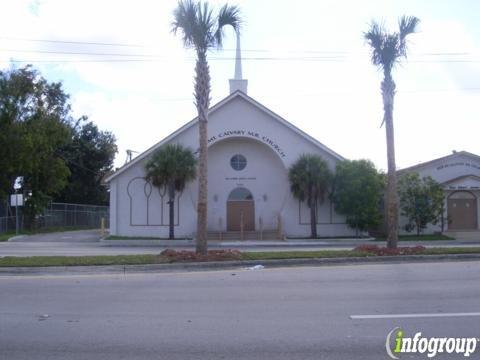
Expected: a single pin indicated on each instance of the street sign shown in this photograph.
(16, 200)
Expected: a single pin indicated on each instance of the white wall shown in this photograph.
(270, 148)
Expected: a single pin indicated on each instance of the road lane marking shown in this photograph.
(406, 316)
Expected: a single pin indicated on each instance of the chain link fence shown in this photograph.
(59, 215)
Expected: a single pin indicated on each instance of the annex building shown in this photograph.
(459, 175)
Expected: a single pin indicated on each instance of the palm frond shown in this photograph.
(172, 163)
(185, 20)
(309, 178)
(388, 48)
(407, 25)
(206, 26)
(375, 38)
(200, 28)
(228, 15)
(390, 54)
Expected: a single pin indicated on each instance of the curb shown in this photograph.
(16, 237)
(228, 265)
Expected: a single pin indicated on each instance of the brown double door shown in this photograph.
(238, 209)
(462, 214)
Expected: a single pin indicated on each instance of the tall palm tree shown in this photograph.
(310, 178)
(387, 50)
(202, 30)
(170, 168)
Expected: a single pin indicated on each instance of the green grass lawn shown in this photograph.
(429, 237)
(155, 259)
(77, 260)
(6, 236)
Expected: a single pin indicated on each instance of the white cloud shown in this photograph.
(337, 101)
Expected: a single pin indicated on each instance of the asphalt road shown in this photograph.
(294, 313)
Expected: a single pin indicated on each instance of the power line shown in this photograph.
(73, 42)
(325, 60)
(330, 58)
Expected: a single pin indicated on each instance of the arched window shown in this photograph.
(461, 195)
(238, 162)
(240, 194)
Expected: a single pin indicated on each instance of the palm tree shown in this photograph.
(310, 178)
(202, 30)
(387, 50)
(170, 168)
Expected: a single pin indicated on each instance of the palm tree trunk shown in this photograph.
(171, 202)
(313, 218)
(388, 93)
(202, 102)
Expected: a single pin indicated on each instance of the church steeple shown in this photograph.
(237, 83)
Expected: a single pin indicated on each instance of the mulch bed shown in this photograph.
(383, 251)
(170, 255)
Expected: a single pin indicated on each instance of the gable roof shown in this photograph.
(453, 155)
(218, 105)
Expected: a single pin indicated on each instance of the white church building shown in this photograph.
(250, 149)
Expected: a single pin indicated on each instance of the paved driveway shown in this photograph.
(69, 243)
(80, 236)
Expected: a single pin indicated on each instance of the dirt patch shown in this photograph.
(383, 251)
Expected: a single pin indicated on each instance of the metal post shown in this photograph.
(279, 229)
(6, 214)
(16, 213)
(260, 222)
(241, 225)
(220, 228)
(102, 226)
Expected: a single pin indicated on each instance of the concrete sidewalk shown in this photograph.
(88, 243)
(95, 248)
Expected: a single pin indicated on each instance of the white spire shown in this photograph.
(237, 83)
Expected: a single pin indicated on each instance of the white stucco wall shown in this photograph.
(270, 147)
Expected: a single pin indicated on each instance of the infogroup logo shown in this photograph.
(429, 346)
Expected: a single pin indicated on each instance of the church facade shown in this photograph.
(250, 150)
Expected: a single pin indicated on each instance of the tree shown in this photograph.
(35, 123)
(421, 201)
(170, 168)
(357, 193)
(89, 157)
(310, 178)
(202, 30)
(387, 50)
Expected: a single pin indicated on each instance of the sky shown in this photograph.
(305, 60)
